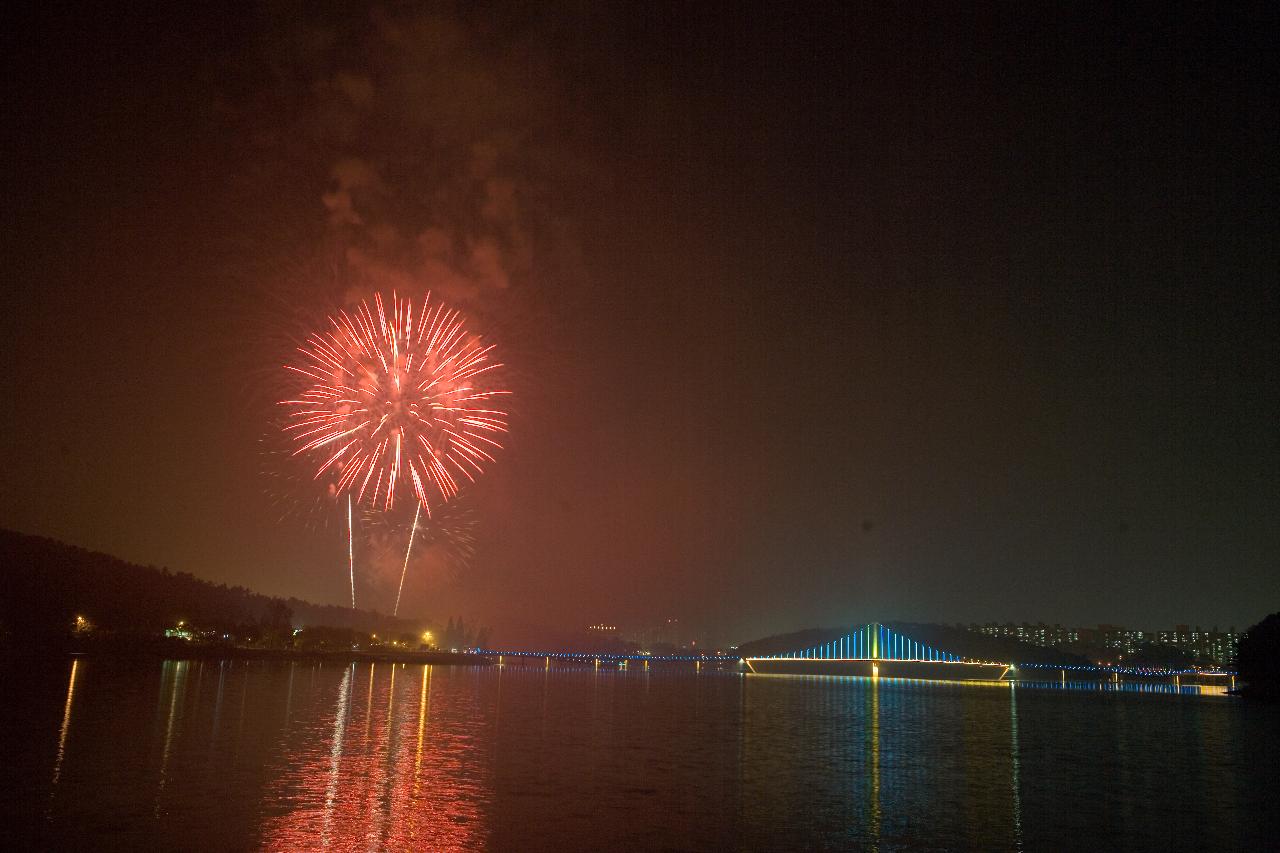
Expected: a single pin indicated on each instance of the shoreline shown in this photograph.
(184, 650)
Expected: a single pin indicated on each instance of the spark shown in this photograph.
(395, 399)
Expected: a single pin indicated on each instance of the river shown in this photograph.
(240, 755)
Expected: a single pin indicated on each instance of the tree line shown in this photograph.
(48, 584)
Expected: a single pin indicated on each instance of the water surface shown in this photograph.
(289, 756)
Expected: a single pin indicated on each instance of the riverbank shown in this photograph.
(177, 649)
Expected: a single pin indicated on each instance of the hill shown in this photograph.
(47, 584)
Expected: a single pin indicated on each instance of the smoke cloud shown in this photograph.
(432, 138)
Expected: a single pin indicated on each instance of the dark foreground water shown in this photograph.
(252, 755)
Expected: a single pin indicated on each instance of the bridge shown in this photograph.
(877, 651)
(870, 642)
(608, 659)
(873, 650)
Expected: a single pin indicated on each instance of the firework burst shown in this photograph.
(395, 399)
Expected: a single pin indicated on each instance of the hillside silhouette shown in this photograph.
(47, 584)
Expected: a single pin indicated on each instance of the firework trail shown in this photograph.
(417, 512)
(394, 398)
(439, 546)
(351, 553)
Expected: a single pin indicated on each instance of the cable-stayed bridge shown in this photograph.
(878, 651)
(871, 651)
(871, 642)
(874, 651)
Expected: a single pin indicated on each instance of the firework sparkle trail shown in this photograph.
(417, 512)
(446, 539)
(395, 398)
(351, 553)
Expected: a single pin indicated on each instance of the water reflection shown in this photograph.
(423, 706)
(173, 673)
(62, 734)
(217, 708)
(404, 783)
(305, 756)
(1168, 688)
(874, 737)
(1014, 762)
(901, 755)
(335, 752)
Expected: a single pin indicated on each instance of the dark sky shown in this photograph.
(813, 316)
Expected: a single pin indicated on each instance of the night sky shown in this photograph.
(813, 315)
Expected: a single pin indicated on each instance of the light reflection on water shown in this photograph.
(1130, 687)
(299, 756)
(376, 771)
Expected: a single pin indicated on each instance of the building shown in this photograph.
(1039, 634)
(1113, 643)
(1217, 646)
(665, 636)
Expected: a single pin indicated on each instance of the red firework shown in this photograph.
(395, 399)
